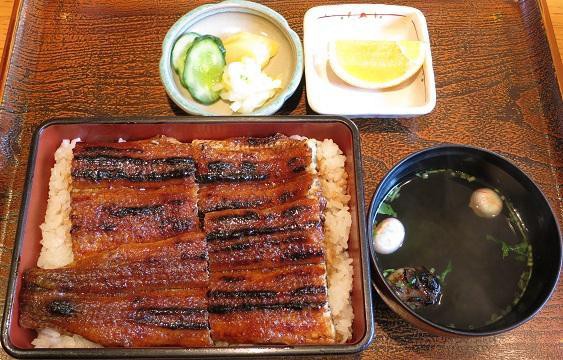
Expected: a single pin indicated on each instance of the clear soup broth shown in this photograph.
(483, 264)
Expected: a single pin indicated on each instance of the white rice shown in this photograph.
(338, 221)
(56, 251)
(56, 241)
(50, 338)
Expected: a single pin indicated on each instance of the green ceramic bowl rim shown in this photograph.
(167, 73)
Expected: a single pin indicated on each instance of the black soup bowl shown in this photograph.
(526, 200)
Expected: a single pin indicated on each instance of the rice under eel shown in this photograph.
(144, 273)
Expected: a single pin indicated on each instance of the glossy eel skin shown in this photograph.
(178, 262)
(250, 159)
(268, 250)
(132, 319)
(257, 195)
(284, 305)
(107, 217)
(153, 160)
(267, 271)
(184, 244)
(230, 224)
(139, 191)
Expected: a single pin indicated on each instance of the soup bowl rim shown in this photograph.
(387, 293)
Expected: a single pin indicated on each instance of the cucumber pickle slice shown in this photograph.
(180, 51)
(205, 63)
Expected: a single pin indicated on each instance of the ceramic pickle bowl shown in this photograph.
(224, 19)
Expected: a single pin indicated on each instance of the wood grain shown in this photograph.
(555, 8)
(495, 85)
(5, 15)
(552, 14)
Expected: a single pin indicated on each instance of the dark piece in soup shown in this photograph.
(416, 286)
(487, 260)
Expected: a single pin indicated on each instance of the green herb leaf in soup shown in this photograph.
(519, 250)
(386, 209)
(445, 273)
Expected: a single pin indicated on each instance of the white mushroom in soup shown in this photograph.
(485, 203)
(388, 236)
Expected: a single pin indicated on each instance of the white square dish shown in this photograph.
(328, 94)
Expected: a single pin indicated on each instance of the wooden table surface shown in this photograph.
(5, 15)
(555, 8)
(513, 112)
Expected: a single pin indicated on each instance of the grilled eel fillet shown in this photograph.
(152, 160)
(263, 225)
(266, 252)
(250, 159)
(286, 305)
(140, 191)
(249, 238)
(268, 288)
(133, 319)
(301, 214)
(103, 218)
(178, 262)
(136, 295)
(246, 195)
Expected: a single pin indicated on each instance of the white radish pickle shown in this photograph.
(246, 86)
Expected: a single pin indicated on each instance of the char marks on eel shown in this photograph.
(140, 273)
(131, 319)
(140, 191)
(283, 305)
(266, 252)
(181, 244)
(250, 159)
(178, 262)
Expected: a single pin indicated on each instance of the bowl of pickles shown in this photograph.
(231, 58)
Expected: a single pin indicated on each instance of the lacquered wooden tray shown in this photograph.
(495, 89)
